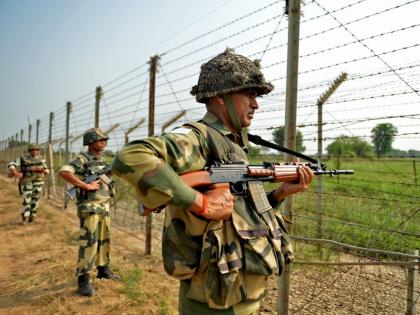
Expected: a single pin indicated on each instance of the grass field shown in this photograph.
(377, 207)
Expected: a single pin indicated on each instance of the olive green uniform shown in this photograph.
(93, 212)
(223, 265)
(31, 183)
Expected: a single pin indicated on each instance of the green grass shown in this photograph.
(133, 287)
(164, 308)
(377, 207)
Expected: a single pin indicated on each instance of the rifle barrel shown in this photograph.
(333, 172)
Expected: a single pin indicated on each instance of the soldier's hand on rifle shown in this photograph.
(10, 174)
(93, 186)
(13, 173)
(35, 169)
(305, 178)
(214, 204)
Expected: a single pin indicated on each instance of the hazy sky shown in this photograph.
(54, 51)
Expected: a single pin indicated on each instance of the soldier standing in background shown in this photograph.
(221, 248)
(31, 176)
(93, 204)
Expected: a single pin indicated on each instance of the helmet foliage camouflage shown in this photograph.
(229, 72)
(94, 134)
(33, 146)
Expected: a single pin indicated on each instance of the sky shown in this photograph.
(58, 51)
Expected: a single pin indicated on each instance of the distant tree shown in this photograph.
(398, 153)
(350, 146)
(413, 153)
(254, 150)
(278, 137)
(382, 138)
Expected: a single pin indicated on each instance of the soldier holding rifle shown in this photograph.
(33, 169)
(222, 247)
(93, 204)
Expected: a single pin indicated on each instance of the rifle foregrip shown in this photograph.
(196, 179)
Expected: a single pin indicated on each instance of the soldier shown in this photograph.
(221, 248)
(31, 176)
(93, 204)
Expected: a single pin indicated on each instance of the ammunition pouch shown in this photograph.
(232, 256)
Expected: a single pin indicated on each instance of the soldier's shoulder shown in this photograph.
(198, 128)
(78, 160)
(180, 130)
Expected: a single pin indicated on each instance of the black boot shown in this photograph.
(105, 273)
(25, 220)
(83, 285)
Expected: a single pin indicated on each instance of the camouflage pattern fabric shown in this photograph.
(94, 240)
(94, 134)
(84, 165)
(226, 263)
(229, 72)
(93, 211)
(191, 307)
(31, 191)
(32, 183)
(25, 163)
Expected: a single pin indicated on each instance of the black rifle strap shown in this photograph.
(258, 140)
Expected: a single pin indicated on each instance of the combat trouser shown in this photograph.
(31, 191)
(94, 240)
(191, 307)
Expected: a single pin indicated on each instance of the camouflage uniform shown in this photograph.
(93, 212)
(31, 183)
(223, 265)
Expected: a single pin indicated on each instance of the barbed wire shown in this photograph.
(367, 47)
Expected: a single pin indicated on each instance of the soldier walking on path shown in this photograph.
(93, 205)
(31, 174)
(222, 248)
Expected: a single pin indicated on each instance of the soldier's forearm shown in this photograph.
(72, 179)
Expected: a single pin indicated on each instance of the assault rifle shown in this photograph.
(238, 174)
(101, 174)
(235, 176)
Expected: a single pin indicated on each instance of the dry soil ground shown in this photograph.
(38, 263)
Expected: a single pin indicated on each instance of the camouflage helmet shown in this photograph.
(229, 72)
(94, 134)
(33, 146)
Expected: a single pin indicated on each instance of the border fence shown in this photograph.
(357, 240)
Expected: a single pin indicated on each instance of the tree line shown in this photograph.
(382, 135)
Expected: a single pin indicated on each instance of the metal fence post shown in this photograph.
(152, 87)
(412, 289)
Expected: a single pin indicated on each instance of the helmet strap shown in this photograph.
(237, 126)
(235, 120)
